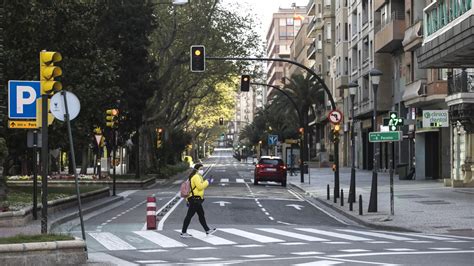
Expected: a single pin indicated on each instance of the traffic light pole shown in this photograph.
(312, 73)
(45, 161)
(114, 148)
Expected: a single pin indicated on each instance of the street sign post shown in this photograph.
(22, 97)
(388, 136)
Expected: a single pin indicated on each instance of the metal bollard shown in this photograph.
(334, 196)
(342, 197)
(360, 204)
(329, 196)
(350, 206)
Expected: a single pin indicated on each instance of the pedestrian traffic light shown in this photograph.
(221, 121)
(48, 72)
(198, 58)
(245, 83)
(159, 137)
(112, 118)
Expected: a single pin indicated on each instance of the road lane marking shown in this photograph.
(159, 239)
(306, 253)
(257, 256)
(379, 242)
(104, 257)
(334, 234)
(204, 259)
(422, 236)
(402, 253)
(152, 250)
(111, 241)
(168, 213)
(177, 182)
(248, 246)
(355, 250)
(458, 241)
(444, 248)
(240, 180)
(296, 195)
(292, 235)
(271, 218)
(420, 242)
(319, 263)
(225, 180)
(126, 193)
(375, 234)
(212, 239)
(150, 261)
(201, 248)
(280, 222)
(252, 236)
(293, 244)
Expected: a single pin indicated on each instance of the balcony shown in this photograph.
(341, 80)
(311, 50)
(413, 37)
(460, 99)
(378, 4)
(390, 33)
(311, 7)
(315, 23)
(420, 94)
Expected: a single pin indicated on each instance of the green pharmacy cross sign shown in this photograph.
(393, 122)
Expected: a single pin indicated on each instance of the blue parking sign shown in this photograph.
(22, 97)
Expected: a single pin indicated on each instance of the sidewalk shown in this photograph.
(420, 205)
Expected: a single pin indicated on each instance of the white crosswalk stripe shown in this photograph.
(293, 235)
(159, 239)
(225, 180)
(252, 236)
(240, 180)
(334, 234)
(320, 263)
(212, 239)
(111, 241)
(423, 236)
(375, 234)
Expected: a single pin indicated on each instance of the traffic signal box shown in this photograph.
(48, 72)
(245, 83)
(335, 132)
(112, 118)
(301, 132)
(159, 137)
(221, 121)
(198, 58)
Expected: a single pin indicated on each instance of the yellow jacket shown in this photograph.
(198, 185)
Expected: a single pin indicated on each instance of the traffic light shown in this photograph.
(198, 58)
(112, 118)
(48, 72)
(159, 137)
(335, 132)
(245, 83)
(221, 121)
(301, 132)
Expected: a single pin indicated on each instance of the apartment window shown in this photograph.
(443, 74)
(327, 2)
(319, 45)
(319, 68)
(289, 21)
(346, 32)
(328, 64)
(370, 49)
(283, 34)
(365, 12)
(409, 76)
(354, 59)
(359, 58)
(354, 24)
(338, 36)
(346, 66)
(365, 52)
(365, 88)
(328, 31)
(297, 22)
(282, 22)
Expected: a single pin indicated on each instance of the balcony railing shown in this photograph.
(441, 12)
(461, 82)
(395, 15)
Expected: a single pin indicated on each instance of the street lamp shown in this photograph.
(375, 77)
(352, 86)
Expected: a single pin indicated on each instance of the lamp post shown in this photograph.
(375, 77)
(352, 86)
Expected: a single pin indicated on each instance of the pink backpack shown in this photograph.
(185, 189)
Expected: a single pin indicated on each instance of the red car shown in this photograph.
(270, 168)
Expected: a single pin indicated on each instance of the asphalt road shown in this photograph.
(257, 225)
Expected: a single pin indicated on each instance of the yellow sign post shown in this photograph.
(22, 124)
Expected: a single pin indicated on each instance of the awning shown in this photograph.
(412, 37)
(413, 90)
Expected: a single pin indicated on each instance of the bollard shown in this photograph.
(329, 196)
(350, 206)
(334, 196)
(360, 204)
(342, 197)
(150, 213)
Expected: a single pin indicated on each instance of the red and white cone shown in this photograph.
(150, 213)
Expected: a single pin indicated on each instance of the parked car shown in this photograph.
(270, 168)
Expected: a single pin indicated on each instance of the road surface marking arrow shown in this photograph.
(222, 203)
(296, 206)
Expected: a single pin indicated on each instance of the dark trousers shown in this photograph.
(195, 206)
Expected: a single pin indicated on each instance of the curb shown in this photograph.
(74, 215)
(353, 217)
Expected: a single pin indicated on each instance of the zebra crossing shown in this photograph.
(228, 181)
(238, 237)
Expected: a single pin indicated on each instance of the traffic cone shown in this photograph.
(150, 213)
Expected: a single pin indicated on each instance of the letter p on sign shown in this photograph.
(22, 97)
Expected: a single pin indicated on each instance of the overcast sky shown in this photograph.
(264, 9)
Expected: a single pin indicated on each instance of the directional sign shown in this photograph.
(335, 117)
(222, 203)
(296, 206)
(272, 139)
(388, 136)
(22, 124)
(22, 97)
